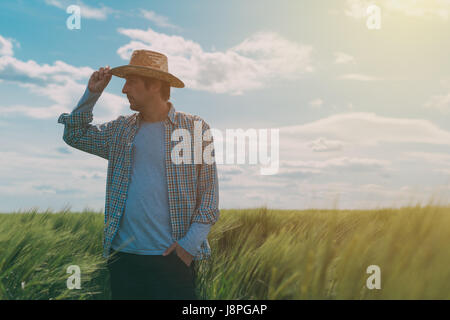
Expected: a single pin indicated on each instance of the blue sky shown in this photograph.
(363, 114)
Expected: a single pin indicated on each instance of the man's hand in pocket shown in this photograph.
(185, 256)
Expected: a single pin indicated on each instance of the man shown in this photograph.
(157, 213)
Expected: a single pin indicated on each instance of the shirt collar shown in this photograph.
(171, 115)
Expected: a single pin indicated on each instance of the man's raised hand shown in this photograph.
(99, 80)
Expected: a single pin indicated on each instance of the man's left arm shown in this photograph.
(207, 207)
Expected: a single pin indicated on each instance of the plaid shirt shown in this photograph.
(193, 188)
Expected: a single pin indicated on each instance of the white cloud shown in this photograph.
(19, 168)
(87, 12)
(368, 129)
(59, 83)
(357, 8)
(36, 175)
(373, 170)
(306, 193)
(33, 112)
(358, 77)
(252, 64)
(420, 8)
(55, 3)
(227, 172)
(417, 8)
(12, 69)
(65, 97)
(325, 145)
(440, 102)
(342, 162)
(6, 47)
(316, 103)
(343, 58)
(433, 158)
(230, 169)
(296, 170)
(160, 21)
(443, 171)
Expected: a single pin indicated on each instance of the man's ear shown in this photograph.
(154, 85)
(158, 85)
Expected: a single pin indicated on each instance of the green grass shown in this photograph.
(257, 254)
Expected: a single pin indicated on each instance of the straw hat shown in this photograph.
(148, 64)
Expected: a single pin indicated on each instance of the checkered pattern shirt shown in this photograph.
(193, 188)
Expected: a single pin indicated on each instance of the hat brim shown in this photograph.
(126, 70)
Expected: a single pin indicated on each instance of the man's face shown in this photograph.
(138, 95)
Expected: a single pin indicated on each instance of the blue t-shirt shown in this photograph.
(145, 224)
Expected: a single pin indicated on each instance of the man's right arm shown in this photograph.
(78, 132)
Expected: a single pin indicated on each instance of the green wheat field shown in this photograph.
(256, 254)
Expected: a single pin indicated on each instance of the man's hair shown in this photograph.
(164, 90)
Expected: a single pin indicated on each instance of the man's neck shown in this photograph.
(157, 114)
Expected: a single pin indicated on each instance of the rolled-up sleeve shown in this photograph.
(197, 234)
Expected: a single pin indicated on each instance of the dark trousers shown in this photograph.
(150, 277)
